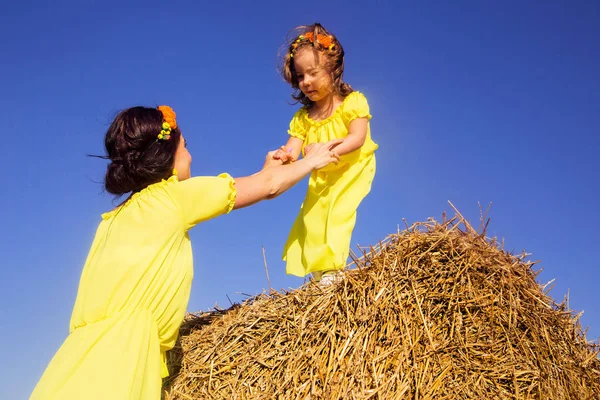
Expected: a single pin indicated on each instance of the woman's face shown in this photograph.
(183, 160)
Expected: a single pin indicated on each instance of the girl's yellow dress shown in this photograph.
(320, 237)
(133, 293)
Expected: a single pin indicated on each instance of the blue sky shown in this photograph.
(472, 102)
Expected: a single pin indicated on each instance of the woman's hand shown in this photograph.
(271, 161)
(321, 154)
(308, 148)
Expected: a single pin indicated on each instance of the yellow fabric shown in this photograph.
(320, 237)
(133, 293)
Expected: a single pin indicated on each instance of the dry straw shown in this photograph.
(437, 311)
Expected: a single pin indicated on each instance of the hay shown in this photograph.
(435, 312)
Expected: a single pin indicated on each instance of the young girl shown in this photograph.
(319, 240)
(135, 284)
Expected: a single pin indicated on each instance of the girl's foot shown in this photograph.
(330, 277)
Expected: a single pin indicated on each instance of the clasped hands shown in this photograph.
(321, 154)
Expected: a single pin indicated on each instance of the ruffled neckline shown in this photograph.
(136, 195)
(337, 110)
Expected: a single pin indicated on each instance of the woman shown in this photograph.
(136, 281)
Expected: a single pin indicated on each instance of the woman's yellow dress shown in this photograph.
(320, 237)
(133, 293)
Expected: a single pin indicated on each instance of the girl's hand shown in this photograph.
(283, 154)
(321, 154)
(271, 161)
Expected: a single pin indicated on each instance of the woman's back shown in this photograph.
(141, 258)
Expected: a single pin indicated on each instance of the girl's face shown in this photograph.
(314, 78)
(183, 160)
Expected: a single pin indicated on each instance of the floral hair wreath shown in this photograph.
(324, 40)
(169, 122)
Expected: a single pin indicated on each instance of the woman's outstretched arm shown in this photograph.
(273, 180)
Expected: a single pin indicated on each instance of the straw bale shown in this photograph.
(438, 311)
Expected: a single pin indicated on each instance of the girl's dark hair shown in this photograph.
(137, 158)
(335, 60)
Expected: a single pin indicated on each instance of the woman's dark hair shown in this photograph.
(335, 60)
(137, 158)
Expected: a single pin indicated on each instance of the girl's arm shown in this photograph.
(274, 180)
(357, 134)
(295, 145)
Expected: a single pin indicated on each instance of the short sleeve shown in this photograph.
(203, 197)
(297, 128)
(356, 106)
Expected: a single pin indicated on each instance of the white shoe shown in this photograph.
(330, 277)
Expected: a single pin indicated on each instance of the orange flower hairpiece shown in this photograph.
(169, 122)
(324, 40)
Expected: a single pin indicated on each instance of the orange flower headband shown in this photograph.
(323, 40)
(169, 122)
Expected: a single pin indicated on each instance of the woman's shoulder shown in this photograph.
(152, 196)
